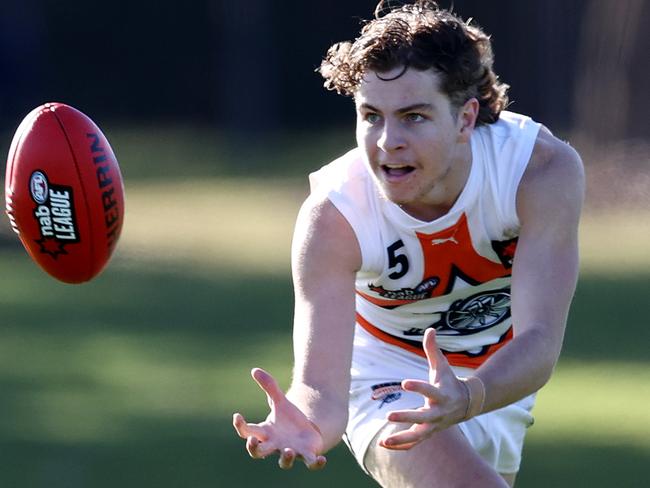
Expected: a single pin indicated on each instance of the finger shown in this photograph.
(313, 461)
(268, 384)
(258, 449)
(244, 429)
(420, 416)
(287, 458)
(240, 425)
(400, 447)
(437, 360)
(318, 463)
(412, 436)
(252, 446)
(424, 388)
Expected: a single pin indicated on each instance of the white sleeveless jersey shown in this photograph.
(453, 273)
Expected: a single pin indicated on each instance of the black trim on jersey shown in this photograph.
(482, 352)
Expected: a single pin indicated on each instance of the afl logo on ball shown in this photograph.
(38, 187)
(54, 213)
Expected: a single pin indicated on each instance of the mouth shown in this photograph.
(396, 171)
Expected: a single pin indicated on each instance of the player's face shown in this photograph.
(415, 143)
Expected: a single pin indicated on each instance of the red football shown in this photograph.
(64, 192)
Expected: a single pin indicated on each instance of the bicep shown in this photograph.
(325, 258)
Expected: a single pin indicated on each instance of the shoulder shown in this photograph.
(510, 130)
(322, 233)
(318, 213)
(553, 158)
(553, 181)
(335, 174)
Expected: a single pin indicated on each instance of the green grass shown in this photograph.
(131, 380)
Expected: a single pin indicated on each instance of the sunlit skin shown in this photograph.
(415, 141)
(417, 147)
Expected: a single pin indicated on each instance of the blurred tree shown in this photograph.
(21, 59)
(535, 46)
(611, 101)
(246, 66)
(249, 66)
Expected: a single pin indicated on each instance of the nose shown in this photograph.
(391, 138)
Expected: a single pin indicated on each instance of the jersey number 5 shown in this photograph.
(395, 260)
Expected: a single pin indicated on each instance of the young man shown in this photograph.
(433, 266)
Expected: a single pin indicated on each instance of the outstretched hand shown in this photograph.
(286, 430)
(446, 400)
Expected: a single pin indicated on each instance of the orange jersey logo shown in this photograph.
(448, 254)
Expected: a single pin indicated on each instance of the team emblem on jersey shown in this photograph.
(472, 314)
(477, 312)
(506, 251)
(387, 392)
(420, 292)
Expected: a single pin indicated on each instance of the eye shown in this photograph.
(414, 117)
(372, 118)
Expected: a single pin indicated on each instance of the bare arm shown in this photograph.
(544, 276)
(311, 418)
(325, 258)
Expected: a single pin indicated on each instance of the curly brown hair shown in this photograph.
(421, 36)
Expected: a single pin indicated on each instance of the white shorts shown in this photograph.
(377, 371)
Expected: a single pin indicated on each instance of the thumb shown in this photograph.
(267, 383)
(437, 360)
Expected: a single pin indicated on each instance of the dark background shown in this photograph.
(249, 66)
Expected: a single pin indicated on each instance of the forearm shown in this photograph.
(518, 369)
(544, 273)
(329, 412)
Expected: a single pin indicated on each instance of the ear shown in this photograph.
(467, 115)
